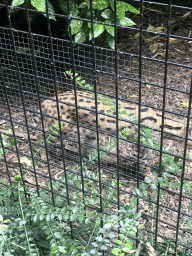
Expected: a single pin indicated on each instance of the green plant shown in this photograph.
(36, 227)
(7, 142)
(103, 12)
(3, 142)
(38, 5)
(54, 129)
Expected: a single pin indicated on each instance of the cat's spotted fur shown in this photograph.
(106, 115)
(106, 124)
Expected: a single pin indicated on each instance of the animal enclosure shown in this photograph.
(113, 110)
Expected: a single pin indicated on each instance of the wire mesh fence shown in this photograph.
(114, 115)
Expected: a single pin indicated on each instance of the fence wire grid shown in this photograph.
(123, 112)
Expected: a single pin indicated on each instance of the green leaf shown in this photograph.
(12, 141)
(153, 186)
(126, 249)
(103, 247)
(111, 234)
(84, 4)
(130, 8)
(138, 191)
(114, 217)
(119, 242)
(91, 213)
(97, 222)
(119, 7)
(41, 217)
(81, 218)
(87, 220)
(110, 29)
(143, 186)
(17, 2)
(122, 236)
(73, 8)
(53, 215)
(131, 233)
(96, 4)
(73, 217)
(145, 193)
(99, 238)
(35, 218)
(75, 209)
(66, 216)
(40, 6)
(125, 22)
(147, 180)
(128, 243)
(116, 251)
(107, 226)
(102, 230)
(107, 14)
(93, 251)
(123, 230)
(95, 244)
(176, 159)
(48, 217)
(53, 248)
(100, 4)
(57, 235)
(60, 216)
(110, 40)
(82, 35)
(134, 229)
(97, 30)
(62, 250)
(76, 26)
